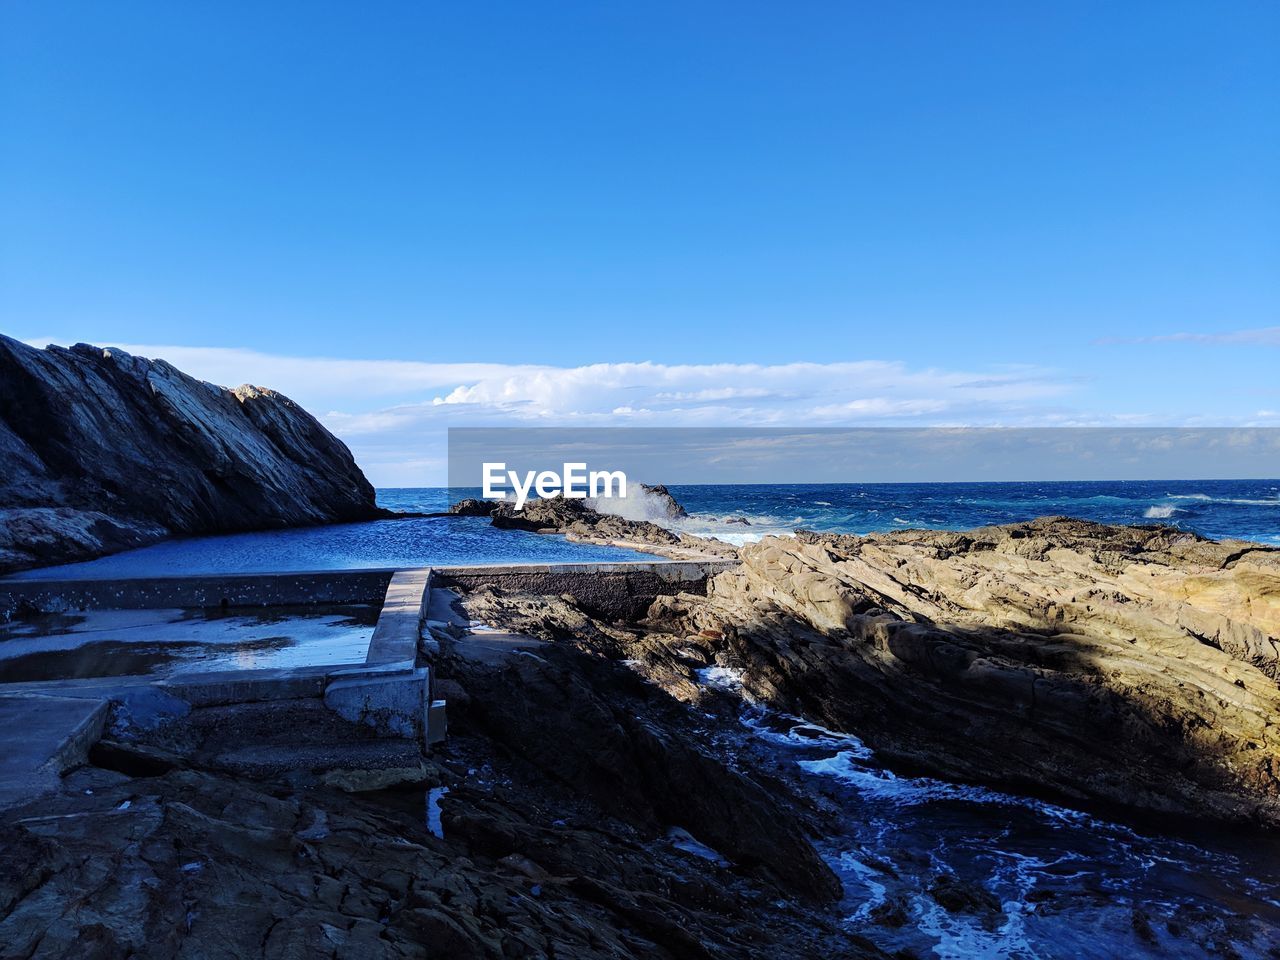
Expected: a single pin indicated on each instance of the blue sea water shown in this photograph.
(1219, 509)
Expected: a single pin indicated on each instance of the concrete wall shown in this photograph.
(615, 591)
(612, 590)
(241, 590)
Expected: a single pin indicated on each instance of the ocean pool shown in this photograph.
(409, 542)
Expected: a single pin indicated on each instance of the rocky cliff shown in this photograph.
(103, 451)
(1129, 665)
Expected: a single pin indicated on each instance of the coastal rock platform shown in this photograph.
(1128, 665)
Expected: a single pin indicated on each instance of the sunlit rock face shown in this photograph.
(1127, 665)
(103, 451)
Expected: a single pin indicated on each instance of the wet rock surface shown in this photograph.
(635, 755)
(104, 451)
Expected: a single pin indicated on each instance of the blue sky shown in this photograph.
(415, 215)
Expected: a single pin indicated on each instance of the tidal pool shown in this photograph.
(111, 643)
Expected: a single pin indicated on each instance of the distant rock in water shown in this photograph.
(661, 495)
(471, 507)
(104, 451)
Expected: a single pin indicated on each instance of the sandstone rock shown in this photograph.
(104, 451)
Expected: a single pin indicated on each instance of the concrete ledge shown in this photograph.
(247, 686)
(252, 686)
(74, 749)
(233, 590)
(673, 570)
(613, 590)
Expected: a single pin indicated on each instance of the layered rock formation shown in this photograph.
(584, 722)
(1135, 666)
(103, 451)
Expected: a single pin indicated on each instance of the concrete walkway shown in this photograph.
(395, 638)
(40, 738)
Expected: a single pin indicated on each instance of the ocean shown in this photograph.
(1219, 509)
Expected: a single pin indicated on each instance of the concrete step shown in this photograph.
(353, 765)
(41, 738)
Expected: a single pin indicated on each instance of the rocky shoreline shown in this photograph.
(104, 451)
(1124, 665)
(558, 820)
(598, 796)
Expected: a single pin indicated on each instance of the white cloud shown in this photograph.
(1257, 337)
(393, 413)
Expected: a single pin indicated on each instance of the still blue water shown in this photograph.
(410, 542)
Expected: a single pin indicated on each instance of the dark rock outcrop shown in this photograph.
(103, 451)
(579, 521)
(471, 507)
(630, 755)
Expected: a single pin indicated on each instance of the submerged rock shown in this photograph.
(1127, 665)
(104, 451)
